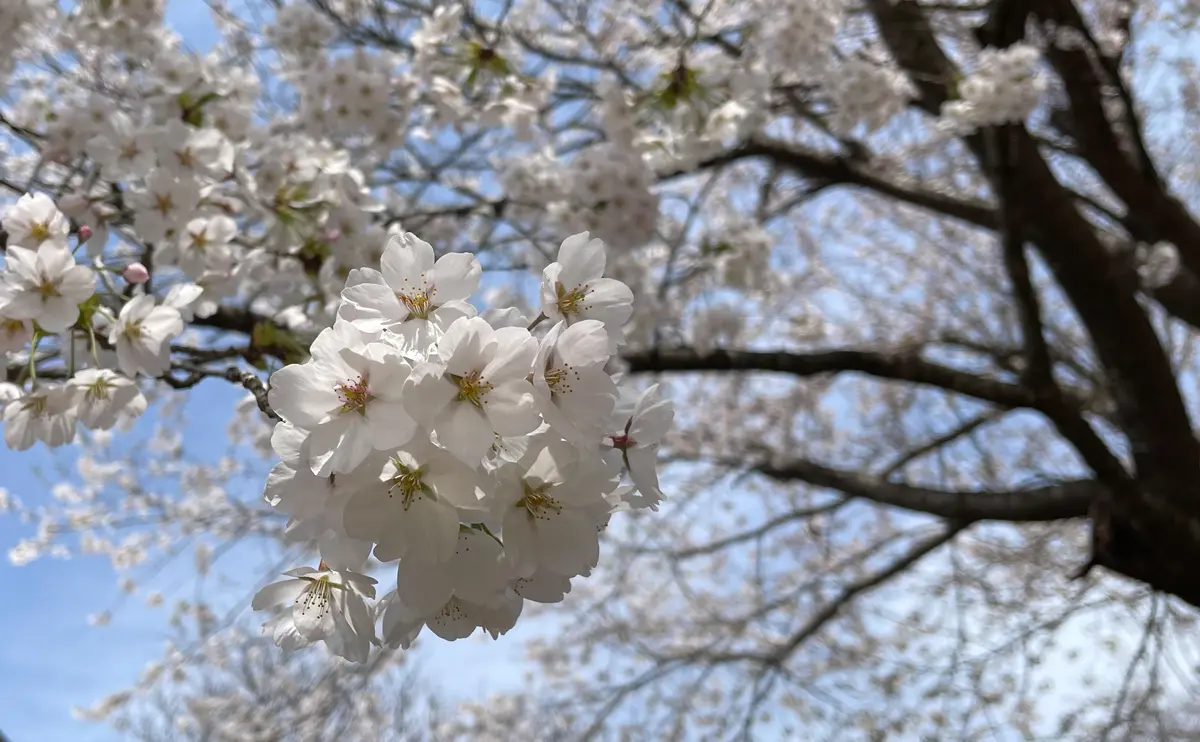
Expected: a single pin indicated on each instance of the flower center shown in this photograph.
(40, 231)
(36, 404)
(133, 330)
(48, 288)
(452, 611)
(571, 302)
(622, 442)
(559, 379)
(538, 504)
(410, 484)
(417, 304)
(472, 389)
(354, 395)
(12, 327)
(98, 390)
(163, 203)
(316, 596)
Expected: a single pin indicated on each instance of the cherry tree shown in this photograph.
(901, 295)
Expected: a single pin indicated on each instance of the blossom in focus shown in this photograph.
(477, 388)
(142, 336)
(349, 395)
(327, 606)
(574, 288)
(103, 395)
(47, 413)
(45, 285)
(635, 446)
(34, 221)
(413, 296)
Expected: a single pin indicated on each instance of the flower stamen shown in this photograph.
(539, 504)
(570, 302)
(417, 304)
(472, 389)
(410, 484)
(354, 395)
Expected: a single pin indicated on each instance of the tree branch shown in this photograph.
(1054, 502)
(758, 531)
(903, 366)
(858, 587)
(832, 169)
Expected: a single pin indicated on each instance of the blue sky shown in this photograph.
(52, 658)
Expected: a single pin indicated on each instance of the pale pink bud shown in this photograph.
(332, 234)
(136, 273)
(85, 233)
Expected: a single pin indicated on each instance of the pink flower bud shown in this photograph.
(332, 234)
(85, 233)
(136, 273)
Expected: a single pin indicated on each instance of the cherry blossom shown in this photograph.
(34, 221)
(142, 336)
(636, 445)
(327, 606)
(46, 414)
(349, 395)
(45, 285)
(413, 509)
(104, 396)
(477, 388)
(576, 396)
(550, 505)
(573, 288)
(414, 296)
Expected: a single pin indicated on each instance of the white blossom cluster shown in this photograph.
(16, 20)
(484, 458)
(125, 25)
(1005, 87)
(797, 37)
(867, 93)
(610, 195)
(301, 32)
(355, 95)
(44, 297)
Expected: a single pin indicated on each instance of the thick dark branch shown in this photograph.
(834, 170)
(1147, 529)
(1181, 298)
(1038, 367)
(1143, 384)
(1120, 158)
(1054, 502)
(904, 366)
(905, 30)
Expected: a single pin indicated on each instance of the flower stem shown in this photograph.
(33, 346)
(92, 338)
